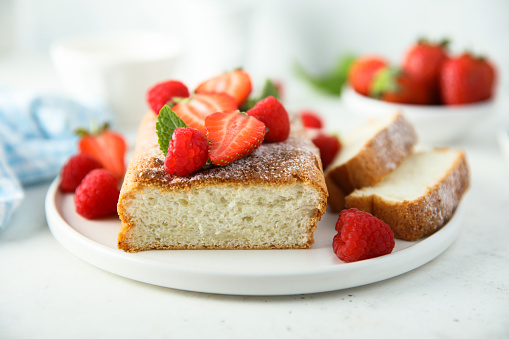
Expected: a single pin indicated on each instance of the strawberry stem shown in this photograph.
(445, 42)
(177, 100)
(207, 165)
(385, 80)
(94, 129)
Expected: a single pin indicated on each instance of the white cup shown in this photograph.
(116, 69)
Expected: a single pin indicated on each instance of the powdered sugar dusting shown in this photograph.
(393, 147)
(283, 162)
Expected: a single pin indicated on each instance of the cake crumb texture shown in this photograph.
(272, 198)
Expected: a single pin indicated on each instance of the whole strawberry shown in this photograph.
(329, 147)
(105, 146)
(97, 195)
(236, 83)
(311, 119)
(393, 85)
(273, 114)
(466, 79)
(362, 72)
(232, 135)
(423, 62)
(361, 236)
(164, 93)
(75, 169)
(187, 152)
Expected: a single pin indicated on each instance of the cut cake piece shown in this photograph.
(271, 199)
(369, 153)
(420, 196)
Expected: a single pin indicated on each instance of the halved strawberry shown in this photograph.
(194, 110)
(232, 135)
(105, 146)
(236, 83)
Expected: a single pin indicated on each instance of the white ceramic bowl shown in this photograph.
(116, 69)
(503, 141)
(435, 125)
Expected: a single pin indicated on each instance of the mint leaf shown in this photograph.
(269, 89)
(167, 122)
(332, 81)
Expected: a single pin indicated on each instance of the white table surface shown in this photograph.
(47, 292)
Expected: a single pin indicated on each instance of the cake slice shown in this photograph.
(270, 199)
(369, 153)
(420, 196)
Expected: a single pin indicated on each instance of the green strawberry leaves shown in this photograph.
(269, 89)
(167, 122)
(385, 80)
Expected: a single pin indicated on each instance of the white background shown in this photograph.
(47, 292)
(273, 34)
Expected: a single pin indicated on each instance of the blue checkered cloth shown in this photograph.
(36, 138)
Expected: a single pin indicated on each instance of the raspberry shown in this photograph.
(311, 119)
(329, 147)
(97, 195)
(187, 152)
(361, 236)
(163, 93)
(273, 114)
(75, 169)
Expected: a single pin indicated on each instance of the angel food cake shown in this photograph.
(270, 199)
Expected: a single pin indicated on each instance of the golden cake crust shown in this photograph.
(294, 161)
(379, 156)
(413, 219)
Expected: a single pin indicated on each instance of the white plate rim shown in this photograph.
(334, 277)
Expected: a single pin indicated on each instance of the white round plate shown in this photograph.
(237, 272)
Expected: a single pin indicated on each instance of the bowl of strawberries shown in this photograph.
(443, 95)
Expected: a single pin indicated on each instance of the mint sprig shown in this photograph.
(332, 81)
(167, 122)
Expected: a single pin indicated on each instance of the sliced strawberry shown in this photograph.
(107, 147)
(163, 93)
(232, 135)
(194, 110)
(236, 83)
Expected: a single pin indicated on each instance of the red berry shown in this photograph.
(194, 110)
(273, 114)
(394, 85)
(329, 147)
(187, 152)
(105, 146)
(361, 236)
(97, 195)
(362, 72)
(75, 169)
(423, 62)
(163, 93)
(237, 84)
(232, 135)
(466, 79)
(311, 119)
